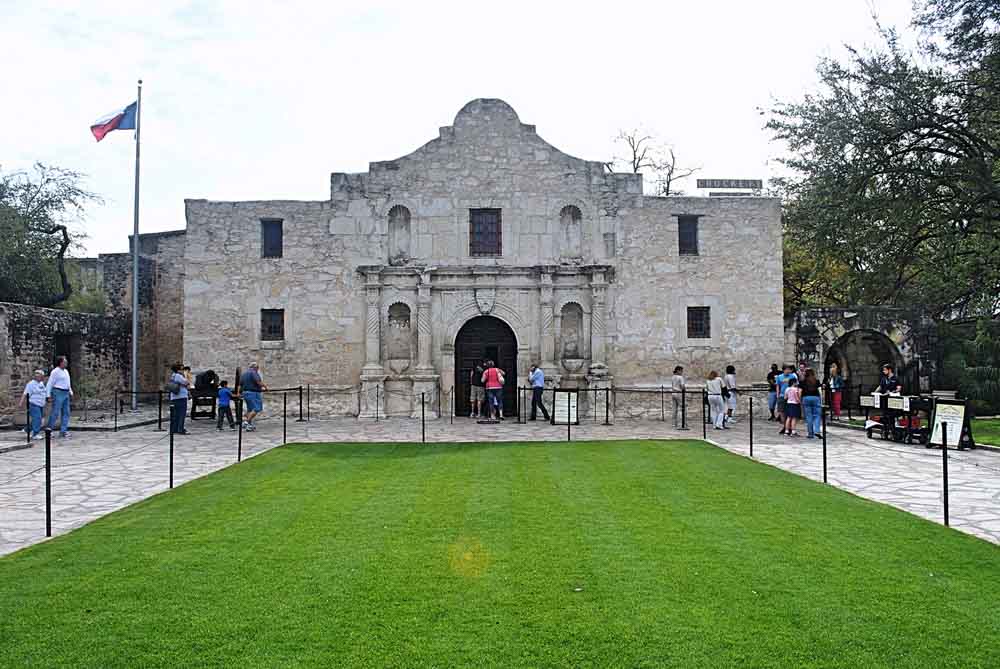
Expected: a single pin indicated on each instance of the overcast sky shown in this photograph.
(248, 100)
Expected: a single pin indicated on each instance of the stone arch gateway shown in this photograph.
(485, 337)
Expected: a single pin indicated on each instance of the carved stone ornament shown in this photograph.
(486, 299)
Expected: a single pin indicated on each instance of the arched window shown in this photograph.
(400, 335)
(570, 235)
(399, 235)
(572, 330)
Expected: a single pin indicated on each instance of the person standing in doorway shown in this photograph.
(677, 387)
(36, 394)
(493, 380)
(60, 391)
(730, 383)
(812, 404)
(836, 381)
(772, 391)
(252, 386)
(716, 404)
(178, 398)
(477, 395)
(537, 379)
(225, 408)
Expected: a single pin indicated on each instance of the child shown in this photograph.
(793, 408)
(225, 395)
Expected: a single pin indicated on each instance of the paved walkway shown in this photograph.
(96, 473)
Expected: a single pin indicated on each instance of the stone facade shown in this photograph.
(376, 282)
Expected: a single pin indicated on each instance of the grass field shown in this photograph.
(615, 554)
(986, 431)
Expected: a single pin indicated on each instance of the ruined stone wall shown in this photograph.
(28, 342)
(166, 250)
(737, 274)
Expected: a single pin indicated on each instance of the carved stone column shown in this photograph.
(372, 374)
(598, 321)
(425, 378)
(546, 335)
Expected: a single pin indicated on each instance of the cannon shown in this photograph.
(205, 394)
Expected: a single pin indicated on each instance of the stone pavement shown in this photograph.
(96, 473)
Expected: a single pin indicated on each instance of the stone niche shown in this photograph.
(399, 339)
(399, 235)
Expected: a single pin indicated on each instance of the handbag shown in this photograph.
(172, 387)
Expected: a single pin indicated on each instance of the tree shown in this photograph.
(896, 167)
(647, 156)
(38, 213)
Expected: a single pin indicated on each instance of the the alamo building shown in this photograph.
(486, 242)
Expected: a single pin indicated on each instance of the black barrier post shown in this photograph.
(48, 482)
(171, 480)
(751, 426)
(569, 420)
(607, 416)
(301, 419)
(452, 419)
(684, 412)
(823, 414)
(308, 402)
(423, 421)
(704, 418)
(116, 410)
(239, 435)
(284, 418)
(159, 411)
(663, 415)
(27, 421)
(944, 467)
(376, 402)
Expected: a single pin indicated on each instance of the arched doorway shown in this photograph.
(481, 338)
(860, 355)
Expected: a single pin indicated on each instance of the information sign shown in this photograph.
(564, 405)
(952, 414)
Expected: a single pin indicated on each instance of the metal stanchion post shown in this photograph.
(27, 422)
(607, 405)
(823, 414)
(359, 403)
(704, 417)
(376, 402)
(301, 418)
(569, 420)
(284, 418)
(48, 482)
(944, 467)
(116, 410)
(663, 415)
(308, 402)
(684, 412)
(452, 419)
(239, 435)
(172, 423)
(159, 411)
(751, 426)
(423, 421)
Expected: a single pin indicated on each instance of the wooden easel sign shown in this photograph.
(955, 415)
(564, 406)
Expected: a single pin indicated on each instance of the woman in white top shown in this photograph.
(730, 381)
(716, 407)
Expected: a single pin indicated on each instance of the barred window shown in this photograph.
(699, 322)
(485, 235)
(271, 238)
(272, 324)
(687, 237)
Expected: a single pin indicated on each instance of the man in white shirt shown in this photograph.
(36, 393)
(60, 390)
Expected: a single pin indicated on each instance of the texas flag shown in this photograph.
(122, 119)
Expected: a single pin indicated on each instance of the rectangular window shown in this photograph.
(272, 324)
(687, 237)
(271, 238)
(699, 322)
(485, 237)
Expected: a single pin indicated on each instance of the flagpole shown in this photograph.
(135, 259)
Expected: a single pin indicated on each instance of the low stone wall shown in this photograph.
(31, 337)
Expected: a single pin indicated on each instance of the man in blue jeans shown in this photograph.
(537, 379)
(251, 386)
(60, 390)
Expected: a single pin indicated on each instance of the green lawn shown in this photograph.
(613, 554)
(986, 431)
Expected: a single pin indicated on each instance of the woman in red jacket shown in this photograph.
(493, 380)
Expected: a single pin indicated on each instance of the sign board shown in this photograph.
(951, 413)
(869, 401)
(899, 403)
(746, 184)
(564, 405)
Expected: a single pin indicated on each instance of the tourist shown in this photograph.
(252, 386)
(793, 407)
(477, 396)
(36, 394)
(493, 380)
(772, 391)
(537, 379)
(225, 408)
(888, 383)
(677, 389)
(178, 386)
(782, 382)
(730, 383)
(716, 405)
(60, 390)
(812, 404)
(835, 381)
